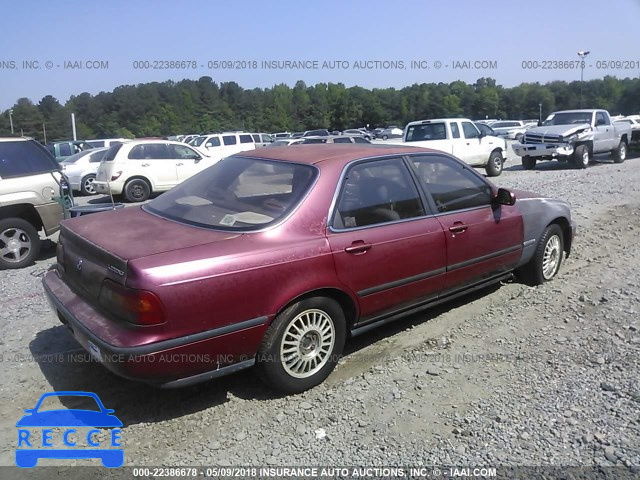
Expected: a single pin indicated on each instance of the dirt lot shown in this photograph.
(512, 375)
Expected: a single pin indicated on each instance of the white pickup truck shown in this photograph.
(462, 139)
(574, 136)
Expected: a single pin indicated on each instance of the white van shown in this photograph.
(138, 168)
(220, 145)
(105, 142)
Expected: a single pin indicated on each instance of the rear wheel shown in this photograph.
(19, 243)
(137, 190)
(620, 153)
(494, 167)
(528, 163)
(547, 257)
(581, 156)
(302, 345)
(87, 187)
(385, 137)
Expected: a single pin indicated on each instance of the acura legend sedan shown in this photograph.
(272, 258)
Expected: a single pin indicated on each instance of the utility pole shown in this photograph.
(540, 116)
(73, 126)
(11, 120)
(582, 54)
(44, 132)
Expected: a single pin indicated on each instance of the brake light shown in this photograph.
(116, 176)
(140, 307)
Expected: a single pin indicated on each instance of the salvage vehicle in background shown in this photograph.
(219, 145)
(138, 168)
(81, 169)
(462, 138)
(262, 139)
(634, 122)
(63, 150)
(574, 136)
(32, 192)
(214, 275)
(390, 132)
(335, 139)
(511, 129)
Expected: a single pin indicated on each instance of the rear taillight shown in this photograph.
(116, 176)
(135, 306)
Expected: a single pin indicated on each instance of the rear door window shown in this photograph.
(247, 139)
(18, 159)
(229, 140)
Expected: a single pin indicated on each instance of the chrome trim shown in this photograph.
(529, 242)
(401, 282)
(483, 258)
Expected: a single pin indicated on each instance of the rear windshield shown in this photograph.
(112, 152)
(428, 131)
(237, 194)
(20, 158)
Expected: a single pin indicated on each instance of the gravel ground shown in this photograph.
(512, 375)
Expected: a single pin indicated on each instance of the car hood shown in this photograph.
(130, 233)
(563, 130)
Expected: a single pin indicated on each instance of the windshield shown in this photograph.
(196, 142)
(75, 157)
(20, 158)
(237, 193)
(568, 118)
(429, 131)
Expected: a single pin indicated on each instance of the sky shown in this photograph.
(511, 41)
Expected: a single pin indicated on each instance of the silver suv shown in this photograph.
(32, 194)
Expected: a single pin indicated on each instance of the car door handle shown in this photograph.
(179, 164)
(144, 165)
(358, 247)
(458, 227)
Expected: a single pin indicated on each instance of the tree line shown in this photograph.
(195, 106)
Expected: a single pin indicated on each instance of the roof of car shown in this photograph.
(330, 152)
(15, 139)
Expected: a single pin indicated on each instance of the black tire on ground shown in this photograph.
(620, 154)
(19, 243)
(384, 137)
(547, 258)
(137, 190)
(302, 346)
(496, 162)
(581, 157)
(528, 163)
(86, 185)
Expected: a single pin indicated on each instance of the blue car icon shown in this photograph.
(68, 418)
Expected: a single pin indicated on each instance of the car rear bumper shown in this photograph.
(542, 150)
(103, 187)
(174, 362)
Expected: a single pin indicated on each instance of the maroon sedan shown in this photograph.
(274, 257)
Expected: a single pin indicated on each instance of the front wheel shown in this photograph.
(385, 137)
(137, 190)
(547, 257)
(19, 243)
(581, 156)
(302, 345)
(528, 163)
(87, 187)
(496, 162)
(620, 153)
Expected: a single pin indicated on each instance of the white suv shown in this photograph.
(138, 168)
(220, 145)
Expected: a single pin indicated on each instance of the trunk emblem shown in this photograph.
(115, 270)
(79, 265)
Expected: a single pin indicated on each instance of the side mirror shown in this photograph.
(504, 197)
(482, 134)
(539, 123)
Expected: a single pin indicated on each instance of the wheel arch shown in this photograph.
(565, 226)
(25, 211)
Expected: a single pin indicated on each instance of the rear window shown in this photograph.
(112, 152)
(247, 139)
(229, 139)
(427, 131)
(237, 194)
(19, 159)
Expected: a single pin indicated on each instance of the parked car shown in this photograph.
(511, 129)
(358, 131)
(81, 169)
(31, 183)
(462, 138)
(189, 138)
(634, 122)
(280, 135)
(63, 150)
(138, 168)
(322, 132)
(574, 136)
(106, 142)
(285, 142)
(217, 269)
(390, 132)
(485, 129)
(219, 145)
(336, 139)
(262, 139)
(297, 134)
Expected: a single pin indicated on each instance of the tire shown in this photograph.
(285, 374)
(19, 243)
(620, 154)
(86, 185)
(385, 137)
(581, 157)
(137, 190)
(547, 257)
(495, 164)
(528, 163)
